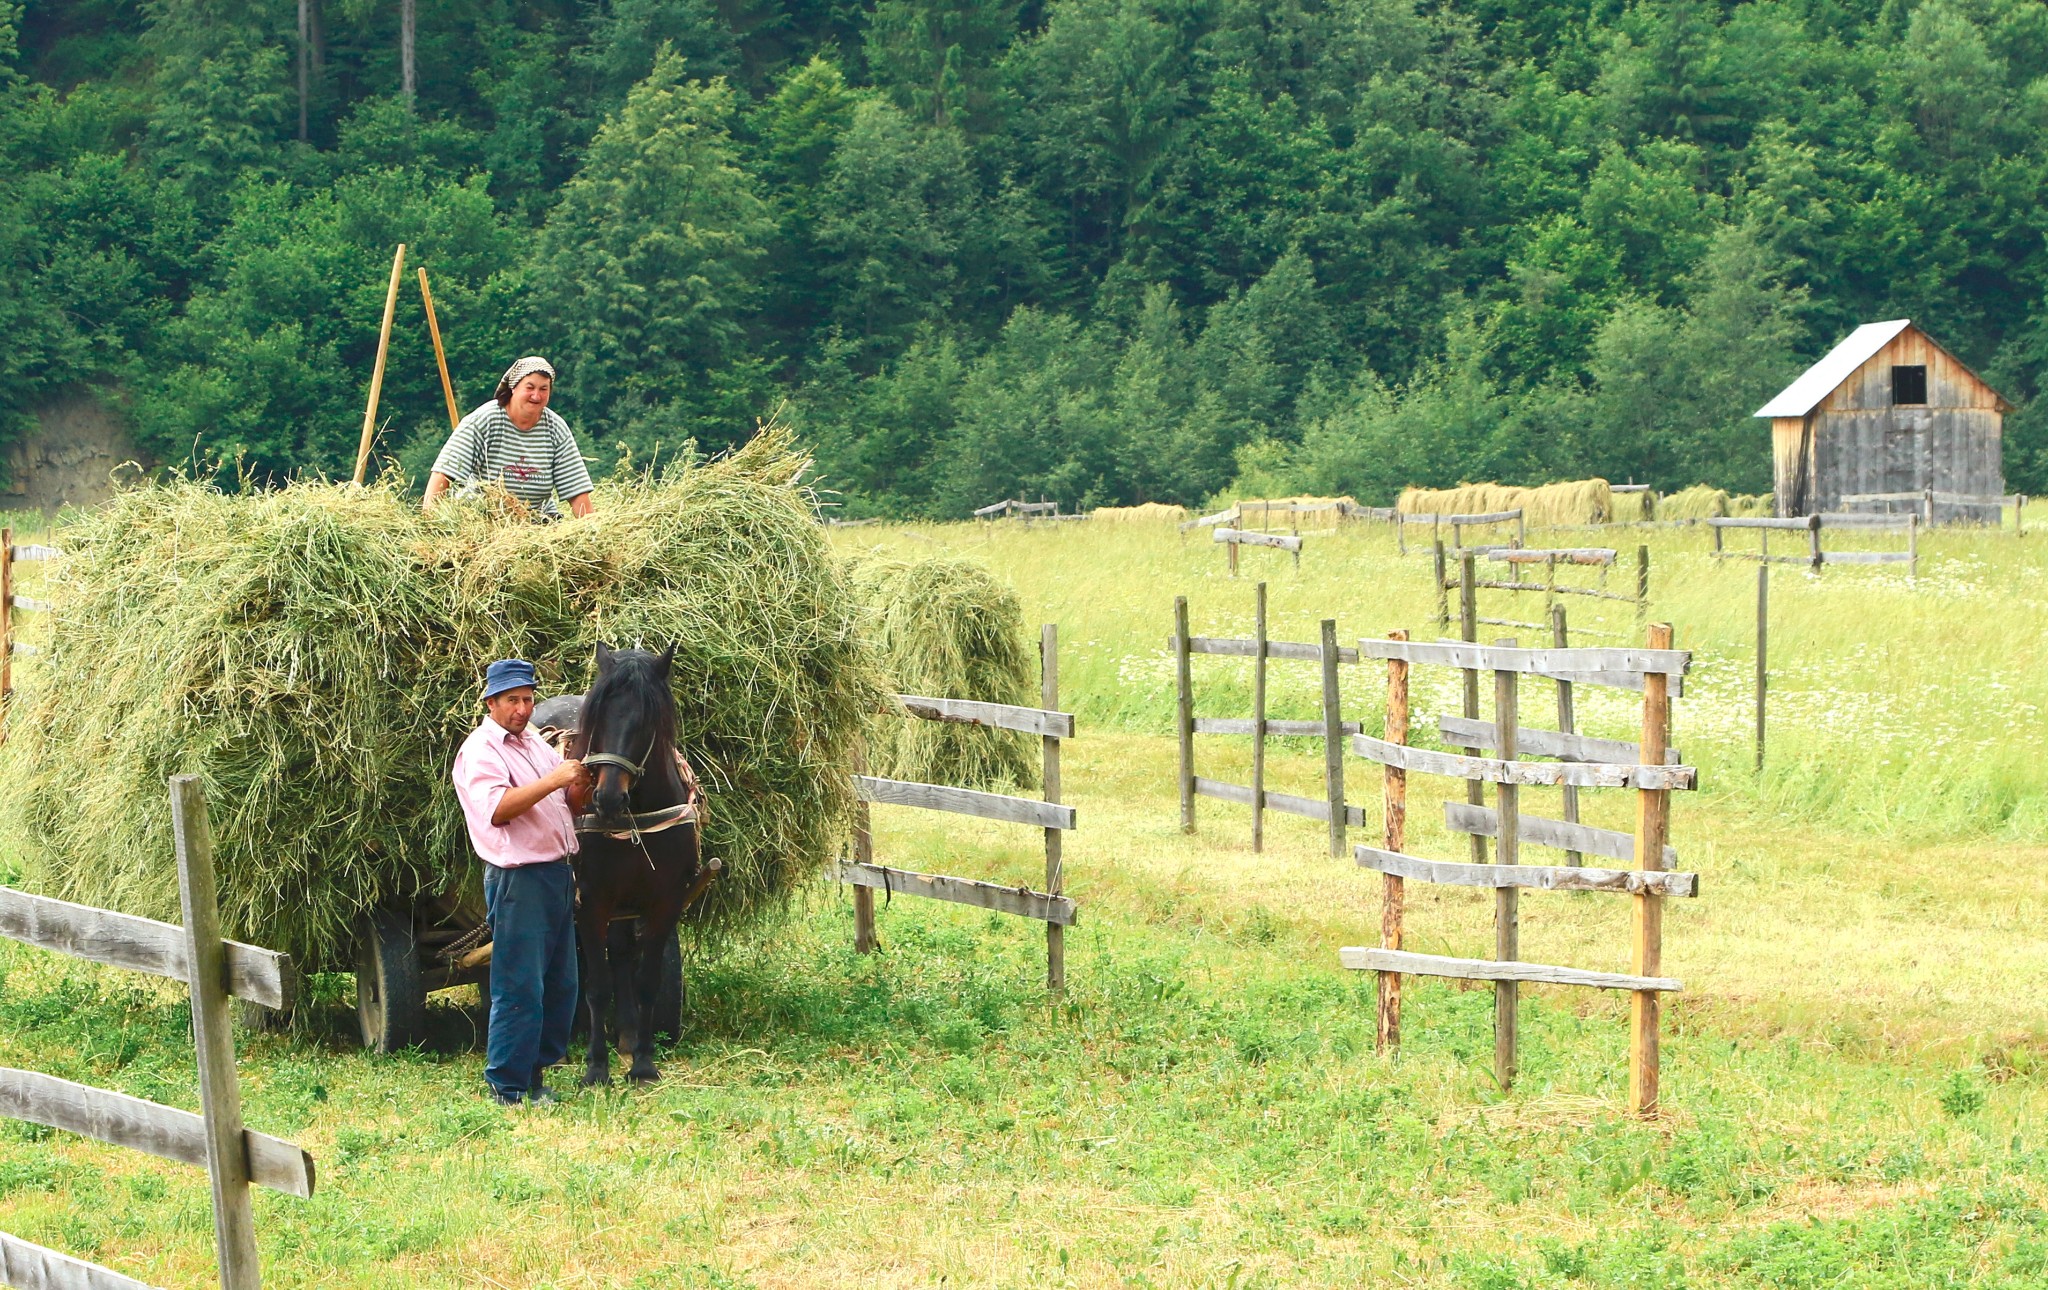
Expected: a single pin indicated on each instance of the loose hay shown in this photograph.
(314, 654)
(948, 629)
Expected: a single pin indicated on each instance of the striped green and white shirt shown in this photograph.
(536, 465)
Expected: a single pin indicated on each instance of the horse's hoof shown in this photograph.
(597, 1079)
(644, 1077)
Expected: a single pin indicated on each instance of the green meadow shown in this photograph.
(1855, 1076)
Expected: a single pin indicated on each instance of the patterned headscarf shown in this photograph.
(525, 367)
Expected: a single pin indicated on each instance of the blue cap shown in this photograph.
(507, 674)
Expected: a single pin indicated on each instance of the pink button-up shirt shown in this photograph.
(493, 760)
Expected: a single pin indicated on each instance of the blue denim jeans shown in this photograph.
(533, 972)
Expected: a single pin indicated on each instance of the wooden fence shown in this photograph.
(1815, 557)
(1521, 562)
(1330, 728)
(1458, 524)
(1583, 763)
(233, 1156)
(10, 600)
(1026, 511)
(1929, 503)
(1055, 910)
(1235, 538)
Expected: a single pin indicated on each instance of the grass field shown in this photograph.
(1855, 1078)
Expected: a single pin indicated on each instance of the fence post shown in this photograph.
(1468, 629)
(1521, 529)
(864, 854)
(1763, 642)
(1233, 557)
(1443, 592)
(1653, 825)
(1715, 529)
(1642, 584)
(2019, 515)
(1566, 722)
(1259, 722)
(1507, 927)
(1912, 548)
(1055, 867)
(6, 628)
(220, 1094)
(1333, 738)
(1813, 539)
(1184, 684)
(1928, 495)
(1392, 899)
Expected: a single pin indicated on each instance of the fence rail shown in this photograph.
(234, 1157)
(1331, 728)
(1647, 767)
(1050, 906)
(1818, 557)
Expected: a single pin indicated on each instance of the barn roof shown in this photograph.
(1820, 380)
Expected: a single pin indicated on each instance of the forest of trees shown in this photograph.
(1104, 251)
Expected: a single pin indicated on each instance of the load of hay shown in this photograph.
(313, 654)
(948, 629)
(1578, 501)
(1637, 507)
(1142, 513)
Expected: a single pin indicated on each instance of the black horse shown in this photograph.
(638, 849)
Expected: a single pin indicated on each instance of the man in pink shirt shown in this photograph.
(515, 793)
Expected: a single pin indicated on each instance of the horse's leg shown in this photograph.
(593, 921)
(646, 984)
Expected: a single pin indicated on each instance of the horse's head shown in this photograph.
(628, 726)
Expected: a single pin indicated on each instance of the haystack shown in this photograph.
(314, 654)
(1142, 513)
(948, 629)
(1579, 501)
(1700, 502)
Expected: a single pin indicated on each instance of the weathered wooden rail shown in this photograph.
(1467, 584)
(1235, 538)
(1926, 501)
(215, 969)
(1050, 906)
(1330, 727)
(1458, 524)
(1650, 767)
(1815, 556)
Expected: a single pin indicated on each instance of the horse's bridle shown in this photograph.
(644, 821)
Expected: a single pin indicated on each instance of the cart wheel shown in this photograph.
(391, 999)
(668, 995)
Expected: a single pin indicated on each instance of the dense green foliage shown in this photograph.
(1100, 250)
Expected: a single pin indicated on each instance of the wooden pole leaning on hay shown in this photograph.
(1653, 829)
(1567, 723)
(377, 372)
(1393, 897)
(1184, 715)
(1055, 861)
(440, 355)
(1333, 738)
(220, 1093)
(1507, 917)
(1259, 720)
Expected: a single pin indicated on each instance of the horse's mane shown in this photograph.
(633, 692)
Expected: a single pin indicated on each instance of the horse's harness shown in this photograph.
(641, 823)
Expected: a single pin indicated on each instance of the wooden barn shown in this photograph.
(1888, 411)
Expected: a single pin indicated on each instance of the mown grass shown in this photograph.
(1855, 1078)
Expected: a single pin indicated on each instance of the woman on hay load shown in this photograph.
(515, 440)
